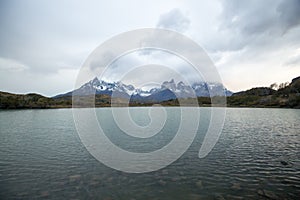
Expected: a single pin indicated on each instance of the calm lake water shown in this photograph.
(256, 157)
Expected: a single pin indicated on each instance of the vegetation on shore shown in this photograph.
(284, 95)
(276, 96)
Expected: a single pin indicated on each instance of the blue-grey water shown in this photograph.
(256, 157)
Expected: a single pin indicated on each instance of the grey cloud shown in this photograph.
(174, 20)
(32, 34)
(289, 13)
(244, 24)
(130, 63)
(294, 61)
(248, 17)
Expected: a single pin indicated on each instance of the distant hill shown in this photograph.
(287, 96)
(17, 101)
(259, 91)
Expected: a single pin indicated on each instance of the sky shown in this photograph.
(43, 44)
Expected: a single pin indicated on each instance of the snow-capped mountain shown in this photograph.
(168, 90)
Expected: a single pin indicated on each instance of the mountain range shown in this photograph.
(167, 91)
(284, 95)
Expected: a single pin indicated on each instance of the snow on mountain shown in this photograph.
(168, 90)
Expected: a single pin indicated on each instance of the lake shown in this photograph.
(256, 157)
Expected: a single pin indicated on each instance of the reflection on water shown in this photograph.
(256, 157)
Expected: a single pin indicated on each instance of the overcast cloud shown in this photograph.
(44, 43)
(174, 20)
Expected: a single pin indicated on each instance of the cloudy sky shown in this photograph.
(43, 44)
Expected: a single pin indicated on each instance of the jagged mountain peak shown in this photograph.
(168, 90)
(94, 81)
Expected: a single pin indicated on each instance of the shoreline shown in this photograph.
(144, 106)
